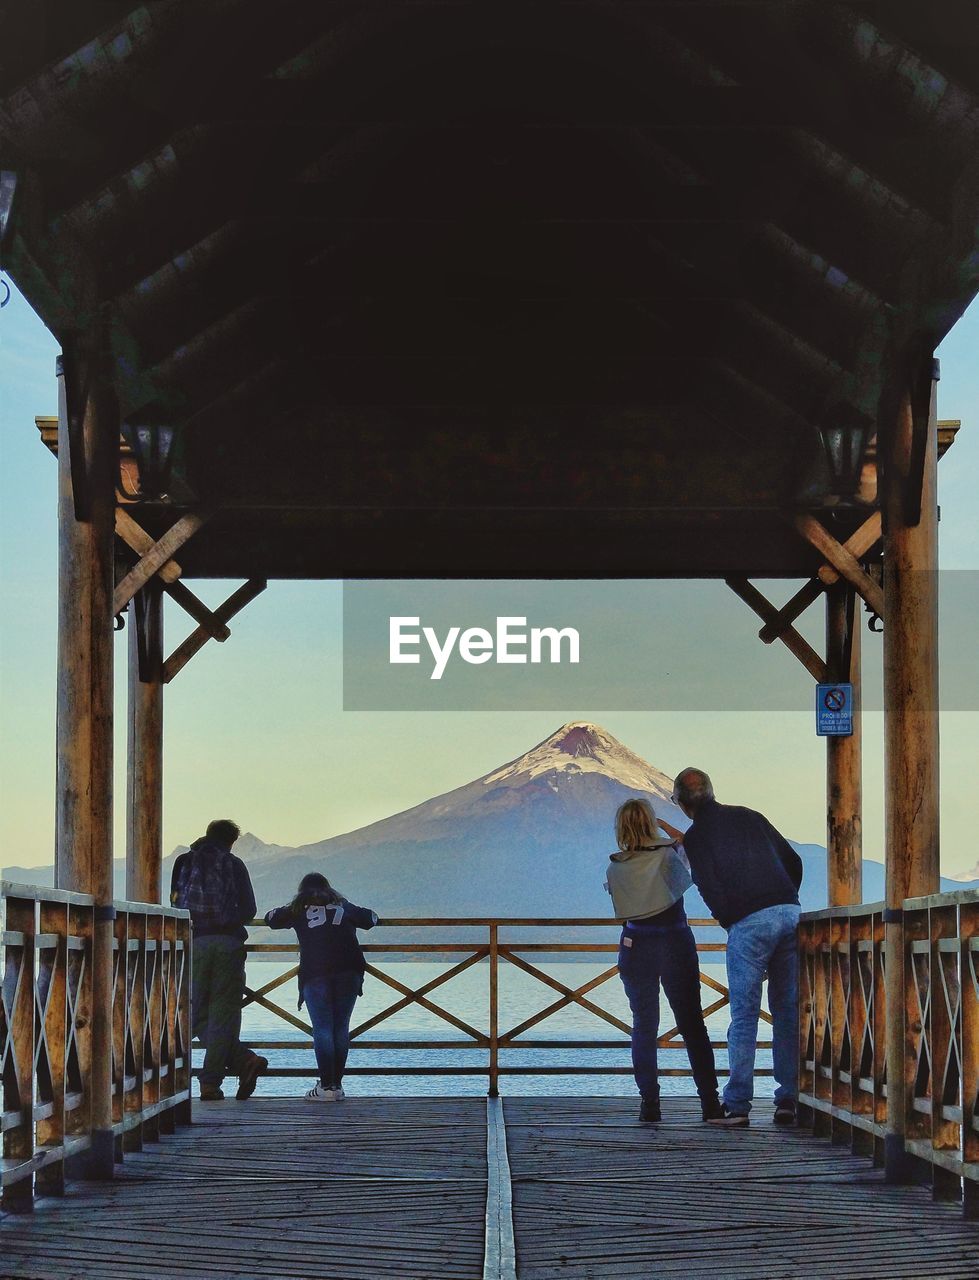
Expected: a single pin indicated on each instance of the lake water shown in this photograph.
(467, 997)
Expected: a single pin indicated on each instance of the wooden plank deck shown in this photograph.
(364, 1189)
(396, 1188)
(597, 1194)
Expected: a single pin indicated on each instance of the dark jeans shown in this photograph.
(667, 955)
(330, 1001)
(216, 990)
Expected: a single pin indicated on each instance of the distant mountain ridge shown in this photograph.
(530, 838)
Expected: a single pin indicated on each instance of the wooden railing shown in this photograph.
(495, 1037)
(842, 1017)
(46, 1025)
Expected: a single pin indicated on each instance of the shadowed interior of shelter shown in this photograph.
(409, 282)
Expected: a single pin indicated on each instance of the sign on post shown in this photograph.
(834, 710)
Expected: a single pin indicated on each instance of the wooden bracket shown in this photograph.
(842, 560)
(157, 556)
(788, 635)
(223, 614)
(146, 621)
(858, 544)
(136, 537)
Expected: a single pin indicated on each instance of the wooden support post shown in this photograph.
(844, 758)
(910, 735)
(83, 846)
(144, 776)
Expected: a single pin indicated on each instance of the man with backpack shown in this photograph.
(214, 886)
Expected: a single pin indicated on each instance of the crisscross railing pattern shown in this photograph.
(842, 1010)
(495, 1038)
(46, 1022)
(151, 1021)
(841, 1006)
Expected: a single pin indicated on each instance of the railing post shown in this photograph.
(494, 1015)
(945, 987)
(52, 966)
(19, 920)
(969, 1049)
(910, 716)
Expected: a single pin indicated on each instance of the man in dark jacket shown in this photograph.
(215, 887)
(749, 876)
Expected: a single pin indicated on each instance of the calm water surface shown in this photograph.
(467, 997)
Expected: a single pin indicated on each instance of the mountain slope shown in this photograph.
(530, 838)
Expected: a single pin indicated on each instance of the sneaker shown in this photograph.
(320, 1094)
(785, 1113)
(250, 1072)
(338, 1093)
(711, 1109)
(649, 1111)
(209, 1093)
(729, 1120)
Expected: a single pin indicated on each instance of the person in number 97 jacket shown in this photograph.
(331, 971)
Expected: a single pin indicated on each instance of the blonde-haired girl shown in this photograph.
(647, 878)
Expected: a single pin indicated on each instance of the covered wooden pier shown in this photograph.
(556, 288)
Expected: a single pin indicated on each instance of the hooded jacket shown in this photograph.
(645, 882)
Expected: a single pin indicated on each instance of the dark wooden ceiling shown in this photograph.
(498, 288)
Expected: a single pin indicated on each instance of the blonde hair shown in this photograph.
(635, 825)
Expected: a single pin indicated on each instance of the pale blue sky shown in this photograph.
(255, 730)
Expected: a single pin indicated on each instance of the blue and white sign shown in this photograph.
(834, 710)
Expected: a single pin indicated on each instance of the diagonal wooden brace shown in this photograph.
(157, 556)
(842, 560)
(858, 544)
(792, 640)
(199, 638)
(136, 537)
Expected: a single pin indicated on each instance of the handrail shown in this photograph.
(842, 1013)
(45, 1031)
(491, 1038)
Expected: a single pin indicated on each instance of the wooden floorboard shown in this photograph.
(597, 1195)
(366, 1189)
(396, 1189)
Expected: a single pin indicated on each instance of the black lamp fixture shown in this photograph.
(152, 444)
(845, 437)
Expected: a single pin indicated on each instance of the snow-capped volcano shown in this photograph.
(581, 748)
(529, 838)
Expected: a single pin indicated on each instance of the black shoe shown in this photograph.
(649, 1111)
(250, 1072)
(729, 1120)
(711, 1109)
(785, 1113)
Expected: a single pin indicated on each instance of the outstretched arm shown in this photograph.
(672, 832)
(279, 918)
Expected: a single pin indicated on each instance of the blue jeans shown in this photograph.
(667, 955)
(330, 1000)
(766, 941)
